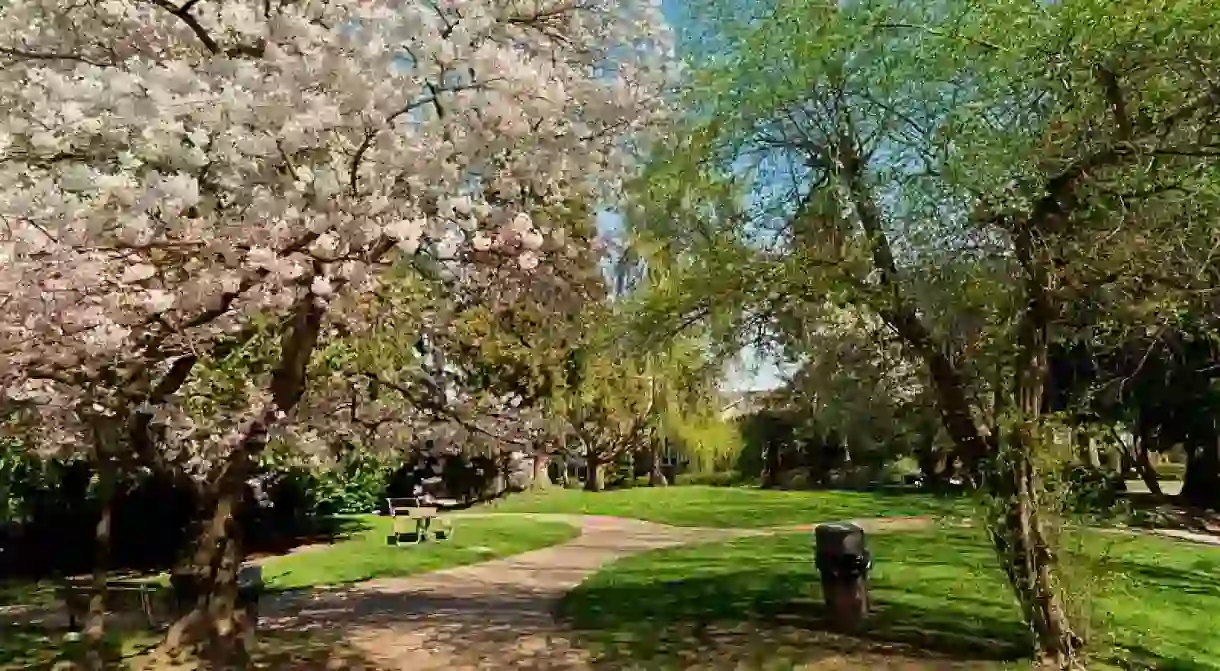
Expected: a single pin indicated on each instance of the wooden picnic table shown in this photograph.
(403, 511)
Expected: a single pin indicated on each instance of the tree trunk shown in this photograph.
(594, 473)
(1140, 461)
(1027, 554)
(771, 464)
(95, 624)
(656, 476)
(1019, 537)
(1086, 451)
(210, 628)
(213, 621)
(1201, 484)
(542, 471)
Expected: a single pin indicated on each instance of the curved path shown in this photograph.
(493, 615)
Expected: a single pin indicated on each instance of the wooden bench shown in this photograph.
(156, 604)
(427, 521)
(123, 597)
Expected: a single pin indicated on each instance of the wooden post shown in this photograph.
(843, 561)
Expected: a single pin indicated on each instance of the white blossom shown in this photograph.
(165, 184)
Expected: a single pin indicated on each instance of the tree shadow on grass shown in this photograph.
(434, 623)
(735, 620)
(1139, 658)
(316, 531)
(1181, 581)
(38, 648)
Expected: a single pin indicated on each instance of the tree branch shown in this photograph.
(41, 56)
(421, 401)
(183, 13)
(1117, 102)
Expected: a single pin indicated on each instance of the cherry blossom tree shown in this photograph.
(186, 188)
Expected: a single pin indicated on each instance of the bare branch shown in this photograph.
(184, 14)
(48, 56)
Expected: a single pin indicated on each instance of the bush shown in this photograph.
(1090, 490)
(715, 479)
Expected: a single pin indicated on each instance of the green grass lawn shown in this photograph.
(939, 595)
(367, 555)
(729, 507)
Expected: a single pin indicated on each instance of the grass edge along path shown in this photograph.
(941, 602)
(368, 556)
(365, 555)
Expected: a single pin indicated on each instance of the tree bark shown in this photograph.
(95, 623)
(1019, 536)
(656, 476)
(1086, 451)
(594, 473)
(1140, 461)
(771, 464)
(1021, 539)
(1201, 484)
(1027, 554)
(542, 470)
(210, 628)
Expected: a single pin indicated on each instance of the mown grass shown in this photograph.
(367, 555)
(733, 507)
(939, 597)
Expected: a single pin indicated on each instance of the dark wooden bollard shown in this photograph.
(844, 562)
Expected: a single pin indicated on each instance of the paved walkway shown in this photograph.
(494, 615)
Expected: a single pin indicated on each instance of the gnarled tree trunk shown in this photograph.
(595, 475)
(212, 627)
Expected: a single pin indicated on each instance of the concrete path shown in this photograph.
(494, 615)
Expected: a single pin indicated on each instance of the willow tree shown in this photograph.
(864, 153)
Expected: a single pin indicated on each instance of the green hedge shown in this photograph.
(716, 479)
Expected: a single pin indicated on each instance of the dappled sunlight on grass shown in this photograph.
(39, 648)
(939, 597)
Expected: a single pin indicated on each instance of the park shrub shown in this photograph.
(54, 507)
(714, 479)
(1087, 491)
(50, 508)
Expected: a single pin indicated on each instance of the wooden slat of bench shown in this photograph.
(401, 505)
(421, 512)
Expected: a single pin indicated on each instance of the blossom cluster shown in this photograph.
(172, 174)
